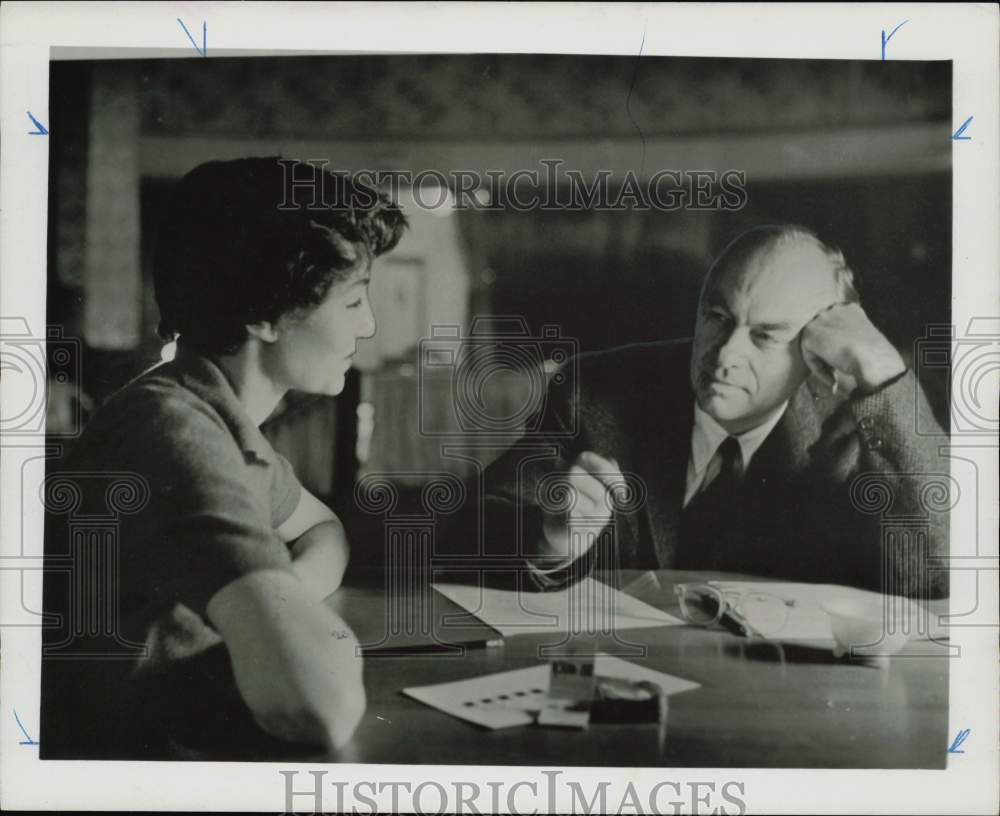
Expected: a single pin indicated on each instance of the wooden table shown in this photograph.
(759, 704)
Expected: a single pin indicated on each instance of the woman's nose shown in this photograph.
(367, 325)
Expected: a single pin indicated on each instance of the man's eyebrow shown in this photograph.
(776, 327)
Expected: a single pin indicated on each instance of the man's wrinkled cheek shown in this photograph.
(710, 359)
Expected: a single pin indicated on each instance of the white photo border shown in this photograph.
(966, 34)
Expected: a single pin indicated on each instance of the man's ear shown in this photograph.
(265, 331)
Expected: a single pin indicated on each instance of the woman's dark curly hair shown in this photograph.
(241, 244)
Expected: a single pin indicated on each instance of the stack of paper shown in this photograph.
(807, 621)
(588, 606)
(514, 697)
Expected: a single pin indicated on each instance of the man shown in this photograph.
(736, 452)
(209, 630)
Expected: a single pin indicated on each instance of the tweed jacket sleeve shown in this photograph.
(884, 451)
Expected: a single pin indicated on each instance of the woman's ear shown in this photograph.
(265, 331)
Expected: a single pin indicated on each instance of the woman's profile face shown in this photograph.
(313, 352)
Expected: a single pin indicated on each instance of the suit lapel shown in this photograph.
(781, 459)
(785, 452)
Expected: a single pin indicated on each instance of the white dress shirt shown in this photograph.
(707, 435)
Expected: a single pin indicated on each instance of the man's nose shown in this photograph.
(733, 350)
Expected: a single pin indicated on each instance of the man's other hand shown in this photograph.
(842, 344)
(588, 502)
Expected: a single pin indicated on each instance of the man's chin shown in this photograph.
(723, 408)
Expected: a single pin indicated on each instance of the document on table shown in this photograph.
(514, 697)
(806, 618)
(586, 606)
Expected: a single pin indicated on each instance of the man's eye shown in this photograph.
(766, 338)
(716, 317)
(354, 305)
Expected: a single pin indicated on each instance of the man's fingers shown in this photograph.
(830, 320)
(592, 484)
(587, 504)
(591, 492)
(834, 311)
(604, 470)
(823, 370)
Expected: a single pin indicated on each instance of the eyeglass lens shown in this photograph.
(700, 605)
(767, 614)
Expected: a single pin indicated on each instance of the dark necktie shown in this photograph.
(711, 519)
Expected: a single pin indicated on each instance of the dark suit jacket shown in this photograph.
(842, 490)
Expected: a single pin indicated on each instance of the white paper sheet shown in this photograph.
(512, 698)
(808, 621)
(587, 606)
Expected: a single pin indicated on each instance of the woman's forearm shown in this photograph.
(320, 556)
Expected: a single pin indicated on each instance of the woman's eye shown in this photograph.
(355, 304)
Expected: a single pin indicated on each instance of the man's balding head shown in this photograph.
(757, 243)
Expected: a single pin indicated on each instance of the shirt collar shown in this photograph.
(708, 434)
(203, 377)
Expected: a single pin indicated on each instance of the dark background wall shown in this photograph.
(859, 151)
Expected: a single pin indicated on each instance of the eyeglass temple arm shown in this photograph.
(734, 621)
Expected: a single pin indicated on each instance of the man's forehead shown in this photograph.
(791, 276)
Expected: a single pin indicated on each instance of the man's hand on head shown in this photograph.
(841, 345)
(587, 507)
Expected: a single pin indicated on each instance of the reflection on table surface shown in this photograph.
(760, 704)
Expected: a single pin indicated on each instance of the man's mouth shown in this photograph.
(723, 386)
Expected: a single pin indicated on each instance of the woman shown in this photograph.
(222, 558)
